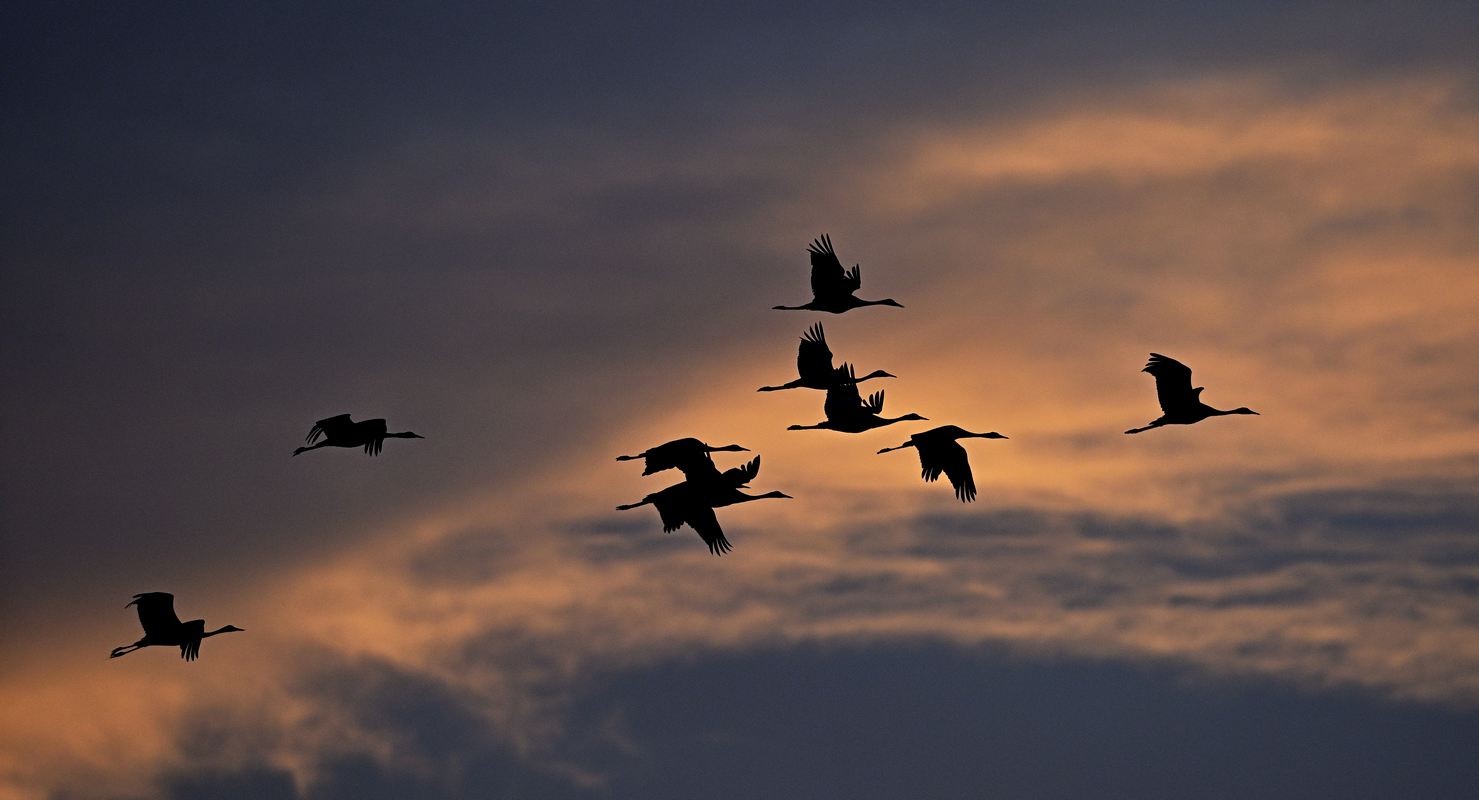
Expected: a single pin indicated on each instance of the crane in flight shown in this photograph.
(162, 628)
(1180, 404)
(683, 454)
(814, 365)
(846, 411)
(693, 501)
(341, 431)
(832, 287)
(940, 452)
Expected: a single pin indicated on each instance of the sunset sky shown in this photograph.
(545, 234)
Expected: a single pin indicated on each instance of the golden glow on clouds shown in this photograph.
(1312, 257)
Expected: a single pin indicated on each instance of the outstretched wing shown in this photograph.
(930, 465)
(157, 613)
(332, 427)
(193, 631)
(1172, 383)
(671, 504)
(827, 278)
(951, 458)
(372, 433)
(740, 476)
(843, 400)
(853, 279)
(677, 453)
(701, 518)
(813, 358)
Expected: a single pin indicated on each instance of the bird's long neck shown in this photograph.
(792, 385)
(877, 373)
(745, 498)
(806, 307)
(900, 447)
(401, 435)
(222, 629)
(629, 506)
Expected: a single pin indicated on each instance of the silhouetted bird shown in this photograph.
(341, 431)
(814, 364)
(692, 503)
(163, 629)
(723, 489)
(831, 287)
(846, 411)
(1180, 404)
(684, 454)
(939, 452)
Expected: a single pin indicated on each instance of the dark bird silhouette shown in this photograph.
(341, 431)
(162, 628)
(723, 488)
(846, 411)
(1180, 404)
(684, 454)
(831, 287)
(814, 364)
(939, 452)
(693, 501)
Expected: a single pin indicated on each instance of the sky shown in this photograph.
(543, 235)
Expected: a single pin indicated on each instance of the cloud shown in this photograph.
(419, 668)
(927, 721)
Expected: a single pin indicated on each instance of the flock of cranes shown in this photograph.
(704, 488)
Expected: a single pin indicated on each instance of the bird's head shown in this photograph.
(231, 629)
(778, 495)
(889, 301)
(1244, 410)
(409, 435)
(878, 373)
(795, 427)
(990, 435)
(729, 448)
(913, 418)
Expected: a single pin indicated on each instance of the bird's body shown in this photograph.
(847, 412)
(832, 287)
(940, 452)
(342, 431)
(814, 364)
(162, 628)
(1180, 403)
(693, 501)
(688, 455)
